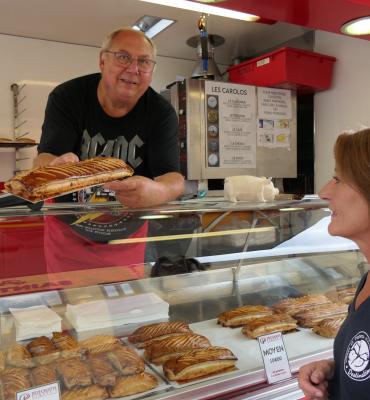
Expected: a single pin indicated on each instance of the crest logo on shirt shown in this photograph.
(357, 357)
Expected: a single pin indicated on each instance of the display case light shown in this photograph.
(358, 26)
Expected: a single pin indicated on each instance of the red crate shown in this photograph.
(287, 68)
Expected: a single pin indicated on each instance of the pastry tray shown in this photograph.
(247, 350)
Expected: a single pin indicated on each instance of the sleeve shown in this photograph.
(164, 154)
(60, 131)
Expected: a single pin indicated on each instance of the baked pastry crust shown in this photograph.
(74, 372)
(2, 361)
(13, 380)
(127, 385)
(51, 181)
(66, 344)
(162, 350)
(99, 343)
(241, 315)
(43, 350)
(271, 323)
(199, 363)
(329, 327)
(292, 305)
(158, 330)
(44, 374)
(102, 370)
(310, 317)
(126, 361)
(93, 392)
(19, 356)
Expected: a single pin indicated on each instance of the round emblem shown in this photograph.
(212, 101)
(356, 359)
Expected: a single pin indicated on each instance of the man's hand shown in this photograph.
(313, 379)
(139, 191)
(44, 159)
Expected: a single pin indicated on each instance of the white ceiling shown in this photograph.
(86, 22)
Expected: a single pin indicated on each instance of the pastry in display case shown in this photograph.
(181, 332)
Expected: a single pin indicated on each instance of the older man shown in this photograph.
(116, 113)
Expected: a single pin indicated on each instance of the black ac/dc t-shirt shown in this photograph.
(351, 379)
(146, 138)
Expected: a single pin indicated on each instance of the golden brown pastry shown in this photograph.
(2, 361)
(162, 350)
(311, 316)
(158, 330)
(43, 350)
(44, 182)
(329, 327)
(345, 295)
(126, 360)
(102, 370)
(93, 392)
(127, 385)
(271, 323)
(241, 315)
(19, 356)
(99, 343)
(13, 380)
(66, 344)
(293, 305)
(199, 363)
(74, 372)
(44, 374)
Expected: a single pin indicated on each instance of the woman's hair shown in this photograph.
(109, 39)
(352, 158)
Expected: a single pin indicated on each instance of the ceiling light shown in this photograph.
(359, 26)
(151, 25)
(205, 8)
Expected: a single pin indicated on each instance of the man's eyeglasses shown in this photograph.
(126, 59)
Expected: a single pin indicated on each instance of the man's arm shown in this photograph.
(139, 191)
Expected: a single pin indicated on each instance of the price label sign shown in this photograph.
(50, 391)
(274, 357)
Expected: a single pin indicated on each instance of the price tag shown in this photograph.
(50, 391)
(274, 357)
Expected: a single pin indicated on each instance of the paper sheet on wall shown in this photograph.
(230, 124)
(274, 117)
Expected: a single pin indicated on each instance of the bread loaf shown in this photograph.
(271, 323)
(132, 384)
(126, 360)
(241, 315)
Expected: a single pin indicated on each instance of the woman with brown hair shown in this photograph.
(348, 194)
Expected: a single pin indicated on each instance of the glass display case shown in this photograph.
(78, 281)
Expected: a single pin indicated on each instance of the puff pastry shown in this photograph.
(74, 372)
(329, 327)
(127, 385)
(141, 336)
(19, 356)
(2, 361)
(50, 181)
(43, 350)
(44, 374)
(241, 315)
(162, 350)
(292, 305)
(199, 363)
(102, 370)
(344, 295)
(13, 380)
(99, 343)
(66, 344)
(93, 392)
(308, 318)
(126, 360)
(271, 323)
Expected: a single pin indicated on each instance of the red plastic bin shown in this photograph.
(287, 68)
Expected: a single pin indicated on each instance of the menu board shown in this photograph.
(231, 125)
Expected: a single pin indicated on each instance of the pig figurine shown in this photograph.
(249, 188)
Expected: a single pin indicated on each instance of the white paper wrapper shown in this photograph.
(35, 321)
